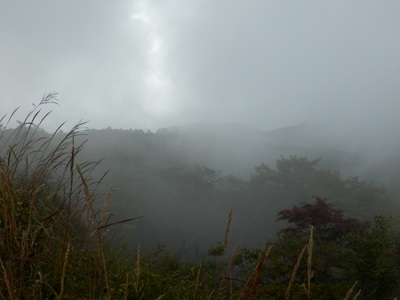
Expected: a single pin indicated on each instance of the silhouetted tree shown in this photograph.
(332, 259)
(329, 222)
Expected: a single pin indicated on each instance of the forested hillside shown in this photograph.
(183, 179)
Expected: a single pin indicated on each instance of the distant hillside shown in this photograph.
(236, 148)
(179, 177)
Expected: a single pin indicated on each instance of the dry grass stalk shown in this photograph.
(197, 283)
(126, 286)
(105, 205)
(9, 207)
(227, 229)
(211, 295)
(348, 295)
(103, 261)
(69, 195)
(8, 280)
(64, 269)
(226, 270)
(310, 272)
(89, 199)
(230, 287)
(292, 278)
(224, 246)
(136, 283)
(359, 293)
(252, 283)
(226, 238)
(118, 222)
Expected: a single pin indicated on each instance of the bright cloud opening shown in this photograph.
(157, 100)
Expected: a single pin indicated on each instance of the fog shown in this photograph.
(155, 64)
(226, 85)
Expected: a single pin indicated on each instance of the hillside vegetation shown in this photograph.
(183, 179)
(59, 239)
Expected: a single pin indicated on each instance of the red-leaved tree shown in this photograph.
(330, 257)
(329, 222)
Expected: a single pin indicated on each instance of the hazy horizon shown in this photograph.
(156, 64)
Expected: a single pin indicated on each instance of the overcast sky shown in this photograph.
(157, 63)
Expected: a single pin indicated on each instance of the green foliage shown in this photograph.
(297, 179)
(377, 259)
(217, 250)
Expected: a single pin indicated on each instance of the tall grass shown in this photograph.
(43, 194)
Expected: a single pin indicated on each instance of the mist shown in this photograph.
(184, 180)
(215, 89)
